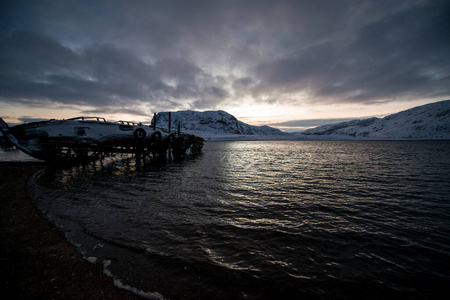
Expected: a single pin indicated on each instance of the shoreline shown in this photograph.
(36, 260)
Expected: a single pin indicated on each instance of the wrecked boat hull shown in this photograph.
(86, 139)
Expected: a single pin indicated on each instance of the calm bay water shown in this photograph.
(258, 220)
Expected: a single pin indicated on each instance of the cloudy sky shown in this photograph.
(286, 63)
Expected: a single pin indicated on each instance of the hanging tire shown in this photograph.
(140, 134)
(180, 142)
(156, 136)
(171, 140)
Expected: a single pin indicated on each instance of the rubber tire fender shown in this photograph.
(171, 138)
(140, 134)
(156, 136)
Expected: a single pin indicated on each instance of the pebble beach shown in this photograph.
(36, 261)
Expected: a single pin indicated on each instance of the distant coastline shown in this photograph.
(426, 122)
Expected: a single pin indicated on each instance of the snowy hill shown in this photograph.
(431, 121)
(215, 125)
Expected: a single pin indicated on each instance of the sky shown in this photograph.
(287, 64)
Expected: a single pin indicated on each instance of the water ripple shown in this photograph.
(291, 214)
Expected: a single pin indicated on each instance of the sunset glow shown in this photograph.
(278, 63)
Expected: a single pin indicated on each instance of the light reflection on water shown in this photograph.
(288, 214)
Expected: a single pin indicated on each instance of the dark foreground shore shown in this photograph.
(36, 261)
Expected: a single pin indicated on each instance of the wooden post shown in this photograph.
(154, 121)
(170, 122)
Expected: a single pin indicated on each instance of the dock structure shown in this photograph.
(86, 139)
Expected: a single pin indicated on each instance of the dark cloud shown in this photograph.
(404, 53)
(206, 54)
(36, 68)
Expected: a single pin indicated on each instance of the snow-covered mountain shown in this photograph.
(213, 124)
(431, 121)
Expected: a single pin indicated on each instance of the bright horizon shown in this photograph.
(291, 65)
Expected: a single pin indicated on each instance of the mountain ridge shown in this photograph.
(213, 124)
(429, 121)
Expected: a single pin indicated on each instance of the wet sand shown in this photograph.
(36, 261)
